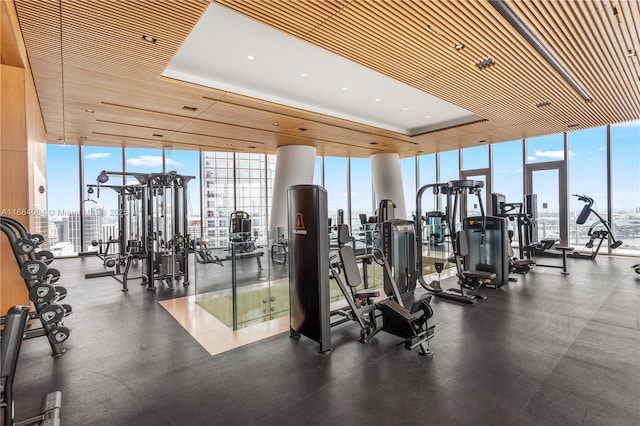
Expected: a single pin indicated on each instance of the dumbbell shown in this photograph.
(36, 239)
(42, 293)
(61, 292)
(52, 276)
(33, 270)
(45, 256)
(52, 314)
(58, 334)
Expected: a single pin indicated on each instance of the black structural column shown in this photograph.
(309, 263)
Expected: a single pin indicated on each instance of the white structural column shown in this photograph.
(294, 166)
(387, 181)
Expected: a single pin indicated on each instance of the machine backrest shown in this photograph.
(348, 258)
(12, 339)
(462, 245)
(584, 214)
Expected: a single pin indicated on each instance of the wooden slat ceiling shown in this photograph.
(90, 55)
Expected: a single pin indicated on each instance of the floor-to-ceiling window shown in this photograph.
(101, 206)
(449, 166)
(335, 182)
(587, 176)
(63, 186)
(251, 195)
(625, 186)
(507, 178)
(408, 172)
(187, 163)
(361, 190)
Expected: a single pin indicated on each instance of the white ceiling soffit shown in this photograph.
(295, 73)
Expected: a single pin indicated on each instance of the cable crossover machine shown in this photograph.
(153, 226)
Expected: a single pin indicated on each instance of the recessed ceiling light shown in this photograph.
(89, 110)
(427, 116)
(275, 124)
(405, 109)
(250, 57)
(459, 46)
(149, 39)
(377, 99)
(157, 135)
(344, 88)
(189, 108)
(303, 75)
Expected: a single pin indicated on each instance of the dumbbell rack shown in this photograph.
(40, 280)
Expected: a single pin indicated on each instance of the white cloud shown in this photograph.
(152, 161)
(97, 155)
(531, 158)
(559, 154)
(601, 148)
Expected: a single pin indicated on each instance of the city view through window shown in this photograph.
(80, 213)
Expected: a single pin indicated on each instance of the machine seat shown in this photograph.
(524, 262)
(479, 275)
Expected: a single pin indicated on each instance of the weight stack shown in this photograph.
(309, 263)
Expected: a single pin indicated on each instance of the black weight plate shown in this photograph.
(51, 314)
(45, 255)
(68, 310)
(37, 239)
(42, 293)
(33, 270)
(58, 334)
(61, 291)
(24, 246)
(53, 275)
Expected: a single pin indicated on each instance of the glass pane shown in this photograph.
(625, 184)
(187, 163)
(408, 171)
(361, 191)
(317, 172)
(508, 176)
(251, 194)
(427, 167)
(546, 186)
(143, 160)
(335, 182)
(545, 148)
(588, 176)
(101, 208)
(63, 199)
(449, 166)
(218, 199)
(475, 158)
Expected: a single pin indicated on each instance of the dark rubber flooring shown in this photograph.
(547, 350)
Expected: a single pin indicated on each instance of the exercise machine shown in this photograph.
(160, 214)
(468, 279)
(515, 212)
(599, 230)
(404, 314)
(488, 242)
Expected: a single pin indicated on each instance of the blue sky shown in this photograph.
(587, 170)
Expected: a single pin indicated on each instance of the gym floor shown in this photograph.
(548, 349)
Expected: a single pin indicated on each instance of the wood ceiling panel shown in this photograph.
(90, 55)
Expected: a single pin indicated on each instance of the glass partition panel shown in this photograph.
(217, 196)
(588, 176)
(63, 198)
(625, 186)
(318, 173)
